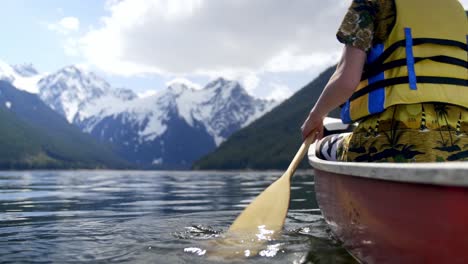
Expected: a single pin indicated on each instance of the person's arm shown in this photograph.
(338, 89)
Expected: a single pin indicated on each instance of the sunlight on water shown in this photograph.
(149, 217)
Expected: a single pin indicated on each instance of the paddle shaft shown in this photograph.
(300, 155)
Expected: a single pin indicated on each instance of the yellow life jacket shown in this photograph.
(424, 59)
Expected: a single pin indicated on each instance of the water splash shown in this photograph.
(200, 232)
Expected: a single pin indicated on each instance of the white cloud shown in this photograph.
(200, 36)
(248, 79)
(240, 40)
(147, 93)
(184, 81)
(65, 25)
(71, 46)
(279, 92)
(288, 61)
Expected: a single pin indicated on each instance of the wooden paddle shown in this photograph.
(265, 215)
(268, 211)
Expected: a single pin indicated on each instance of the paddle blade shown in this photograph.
(259, 223)
(267, 212)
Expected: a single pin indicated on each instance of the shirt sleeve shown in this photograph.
(357, 28)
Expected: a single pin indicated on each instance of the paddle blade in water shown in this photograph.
(259, 223)
(264, 217)
(267, 212)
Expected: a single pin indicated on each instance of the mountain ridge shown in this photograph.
(271, 141)
(201, 119)
(142, 130)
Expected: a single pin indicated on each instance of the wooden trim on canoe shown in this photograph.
(444, 173)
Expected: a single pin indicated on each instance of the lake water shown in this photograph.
(149, 217)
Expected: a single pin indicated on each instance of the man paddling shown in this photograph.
(403, 76)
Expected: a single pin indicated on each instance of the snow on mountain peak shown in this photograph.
(178, 88)
(71, 89)
(125, 94)
(221, 107)
(24, 77)
(7, 73)
(25, 69)
(225, 87)
(183, 81)
(217, 83)
(80, 79)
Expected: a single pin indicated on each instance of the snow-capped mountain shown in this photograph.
(176, 126)
(170, 129)
(70, 90)
(222, 107)
(24, 77)
(25, 70)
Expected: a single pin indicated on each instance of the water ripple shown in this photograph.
(148, 217)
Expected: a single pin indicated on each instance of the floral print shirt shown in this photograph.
(366, 23)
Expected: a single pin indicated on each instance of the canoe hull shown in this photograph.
(382, 221)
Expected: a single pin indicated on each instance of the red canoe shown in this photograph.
(396, 213)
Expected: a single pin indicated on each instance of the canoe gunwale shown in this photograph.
(444, 173)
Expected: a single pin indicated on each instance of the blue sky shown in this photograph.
(273, 48)
(26, 37)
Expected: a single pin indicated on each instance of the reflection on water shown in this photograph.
(148, 217)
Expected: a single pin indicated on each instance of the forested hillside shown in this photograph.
(33, 136)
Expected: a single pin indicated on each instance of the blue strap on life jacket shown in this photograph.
(410, 59)
(345, 114)
(376, 97)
